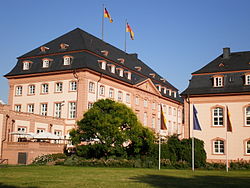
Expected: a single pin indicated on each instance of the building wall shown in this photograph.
(240, 132)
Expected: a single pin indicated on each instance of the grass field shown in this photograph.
(64, 177)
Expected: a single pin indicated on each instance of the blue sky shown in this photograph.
(175, 37)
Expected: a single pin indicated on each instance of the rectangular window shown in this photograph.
(247, 116)
(67, 60)
(248, 147)
(26, 65)
(31, 89)
(137, 101)
(44, 109)
(119, 96)
(91, 87)
(153, 122)
(40, 131)
(111, 93)
(218, 116)
(218, 81)
(72, 110)
(58, 110)
(145, 103)
(21, 129)
(18, 108)
(45, 88)
(174, 109)
(31, 108)
(218, 147)
(170, 110)
(59, 87)
(153, 106)
(145, 119)
(19, 90)
(102, 90)
(45, 63)
(90, 105)
(73, 86)
(127, 98)
(58, 133)
(247, 79)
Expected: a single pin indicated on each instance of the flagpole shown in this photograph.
(192, 138)
(159, 149)
(102, 21)
(125, 44)
(226, 142)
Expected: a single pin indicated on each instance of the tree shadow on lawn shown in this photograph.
(12, 186)
(161, 181)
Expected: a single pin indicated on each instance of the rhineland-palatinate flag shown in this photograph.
(163, 120)
(195, 120)
(229, 123)
(107, 15)
(128, 29)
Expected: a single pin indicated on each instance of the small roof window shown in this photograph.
(26, 65)
(44, 48)
(64, 46)
(105, 52)
(67, 60)
(138, 68)
(121, 60)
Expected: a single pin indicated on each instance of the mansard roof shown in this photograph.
(86, 50)
(232, 68)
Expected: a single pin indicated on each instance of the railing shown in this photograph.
(3, 161)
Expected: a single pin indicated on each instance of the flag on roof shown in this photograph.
(196, 123)
(229, 123)
(163, 120)
(107, 15)
(128, 29)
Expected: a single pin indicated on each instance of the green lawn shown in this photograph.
(64, 177)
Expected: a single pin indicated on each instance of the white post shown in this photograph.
(102, 21)
(125, 44)
(159, 150)
(192, 127)
(226, 141)
(193, 151)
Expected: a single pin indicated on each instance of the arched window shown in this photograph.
(218, 119)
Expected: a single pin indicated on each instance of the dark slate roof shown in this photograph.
(236, 61)
(78, 39)
(233, 70)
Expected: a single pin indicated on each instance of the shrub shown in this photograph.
(240, 165)
(50, 158)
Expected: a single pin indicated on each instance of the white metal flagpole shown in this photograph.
(102, 21)
(125, 44)
(226, 141)
(191, 126)
(159, 149)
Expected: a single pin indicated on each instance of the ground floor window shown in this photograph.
(218, 147)
(248, 147)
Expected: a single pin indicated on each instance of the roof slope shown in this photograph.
(86, 49)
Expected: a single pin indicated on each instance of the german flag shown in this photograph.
(128, 29)
(163, 120)
(107, 15)
(229, 123)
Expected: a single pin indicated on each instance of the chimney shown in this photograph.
(226, 53)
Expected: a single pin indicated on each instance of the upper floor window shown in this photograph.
(21, 129)
(218, 116)
(153, 106)
(218, 81)
(119, 96)
(127, 98)
(58, 110)
(218, 147)
(145, 103)
(247, 116)
(91, 87)
(102, 90)
(247, 79)
(30, 108)
(120, 72)
(19, 90)
(90, 105)
(45, 88)
(128, 74)
(145, 119)
(31, 89)
(26, 65)
(73, 86)
(46, 63)
(44, 109)
(111, 93)
(72, 110)
(40, 130)
(137, 100)
(67, 60)
(153, 122)
(102, 64)
(59, 87)
(169, 110)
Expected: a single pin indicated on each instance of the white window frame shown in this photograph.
(248, 147)
(247, 79)
(153, 122)
(30, 108)
(72, 110)
(145, 119)
(111, 93)
(73, 86)
(153, 106)
(247, 116)
(112, 68)
(31, 89)
(19, 90)
(39, 130)
(218, 116)
(44, 109)
(145, 103)
(18, 108)
(46, 63)
(120, 96)
(102, 90)
(45, 88)
(218, 147)
(58, 110)
(26, 65)
(90, 105)
(59, 87)
(21, 129)
(91, 87)
(127, 98)
(67, 60)
(137, 100)
(218, 81)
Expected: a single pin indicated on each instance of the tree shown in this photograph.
(117, 129)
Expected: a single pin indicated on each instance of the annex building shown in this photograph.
(220, 92)
(52, 86)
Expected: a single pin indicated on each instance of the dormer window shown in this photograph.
(26, 65)
(103, 64)
(152, 74)
(138, 68)
(105, 52)
(128, 74)
(121, 60)
(164, 90)
(174, 92)
(218, 81)
(169, 92)
(44, 48)
(162, 79)
(67, 60)
(112, 68)
(64, 46)
(247, 79)
(158, 87)
(120, 71)
(46, 63)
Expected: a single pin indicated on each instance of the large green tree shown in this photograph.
(117, 129)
